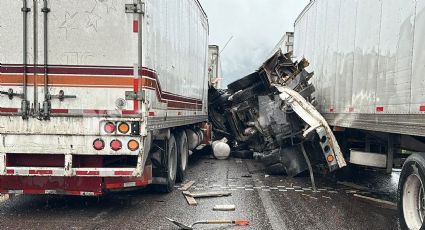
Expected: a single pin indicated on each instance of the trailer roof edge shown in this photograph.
(306, 8)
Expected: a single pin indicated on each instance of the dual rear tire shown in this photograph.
(411, 196)
(175, 162)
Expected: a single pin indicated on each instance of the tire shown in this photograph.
(171, 167)
(287, 161)
(182, 154)
(411, 197)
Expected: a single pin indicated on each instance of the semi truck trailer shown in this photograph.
(368, 58)
(99, 96)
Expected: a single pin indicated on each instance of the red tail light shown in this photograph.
(98, 144)
(110, 127)
(116, 145)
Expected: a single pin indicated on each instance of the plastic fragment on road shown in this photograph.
(224, 207)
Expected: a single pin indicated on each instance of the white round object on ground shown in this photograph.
(221, 150)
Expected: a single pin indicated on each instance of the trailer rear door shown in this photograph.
(81, 58)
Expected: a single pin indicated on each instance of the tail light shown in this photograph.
(116, 145)
(133, 145)
(330, 158)
(110, 127)
(98, 144)
(123, 128)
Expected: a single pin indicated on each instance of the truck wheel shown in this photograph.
(411, 198)
(182, 154)
(171, 167)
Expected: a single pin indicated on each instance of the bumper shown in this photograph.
(76, 186)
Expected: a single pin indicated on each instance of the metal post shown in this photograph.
(310, 169)
(35, 37)
(46, 104)
(25, 103)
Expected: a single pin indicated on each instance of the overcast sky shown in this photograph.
(256, 27)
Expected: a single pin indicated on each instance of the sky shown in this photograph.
(256, 27)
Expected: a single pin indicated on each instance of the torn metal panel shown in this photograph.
(315, 120)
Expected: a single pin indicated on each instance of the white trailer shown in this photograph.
(100, 95)
(368, 60)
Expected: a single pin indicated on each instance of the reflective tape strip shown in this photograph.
(42, 191)
(16, 191)
(135, 26)
(87, 173)
(123, 173)
(128, 184)
(16, 171)
(50, 192)
(98, 172)
(40, 172)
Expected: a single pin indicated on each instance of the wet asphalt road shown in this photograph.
(268, 202)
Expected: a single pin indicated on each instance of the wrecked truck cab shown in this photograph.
(270, 112)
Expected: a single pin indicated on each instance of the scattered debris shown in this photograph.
(351, 191)
(190, 227)
(190, 200)
(187, 186)
(326, 197)
(311, 197)
(224, 207)
(381, 203)
(207, 194)
(247, 176)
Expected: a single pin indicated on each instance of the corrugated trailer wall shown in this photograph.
(368, 60)
(176, 47)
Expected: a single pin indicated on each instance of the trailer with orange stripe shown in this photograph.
(100, 96)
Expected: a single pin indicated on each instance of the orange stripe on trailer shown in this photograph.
(71, 81)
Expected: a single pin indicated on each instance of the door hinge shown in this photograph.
(10, 94)
(135, 8)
